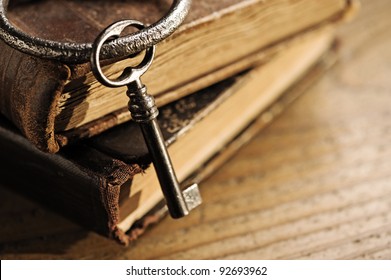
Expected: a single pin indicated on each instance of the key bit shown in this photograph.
(144, 111)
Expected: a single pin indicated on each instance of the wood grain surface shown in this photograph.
(315, 184)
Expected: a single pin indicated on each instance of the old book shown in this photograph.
(105, 183)
(53, 103)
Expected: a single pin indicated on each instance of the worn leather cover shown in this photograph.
(30, 87)
(84, 181)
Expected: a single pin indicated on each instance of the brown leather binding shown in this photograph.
(85, 181)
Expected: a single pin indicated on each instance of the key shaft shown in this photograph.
(143, 110)
(165, 172)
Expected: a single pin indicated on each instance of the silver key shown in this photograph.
(144, 111)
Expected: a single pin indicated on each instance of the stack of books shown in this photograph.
(68, 141)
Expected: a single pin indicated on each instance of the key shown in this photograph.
(143, 110)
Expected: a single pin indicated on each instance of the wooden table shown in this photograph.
(316, 184)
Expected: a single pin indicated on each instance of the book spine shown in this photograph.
(84, 186)
(29, 90)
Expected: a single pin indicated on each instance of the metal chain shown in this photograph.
(81, 52)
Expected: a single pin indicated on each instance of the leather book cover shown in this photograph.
(86, 181)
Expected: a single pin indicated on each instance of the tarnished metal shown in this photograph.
(78, 53)
(144, 111)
